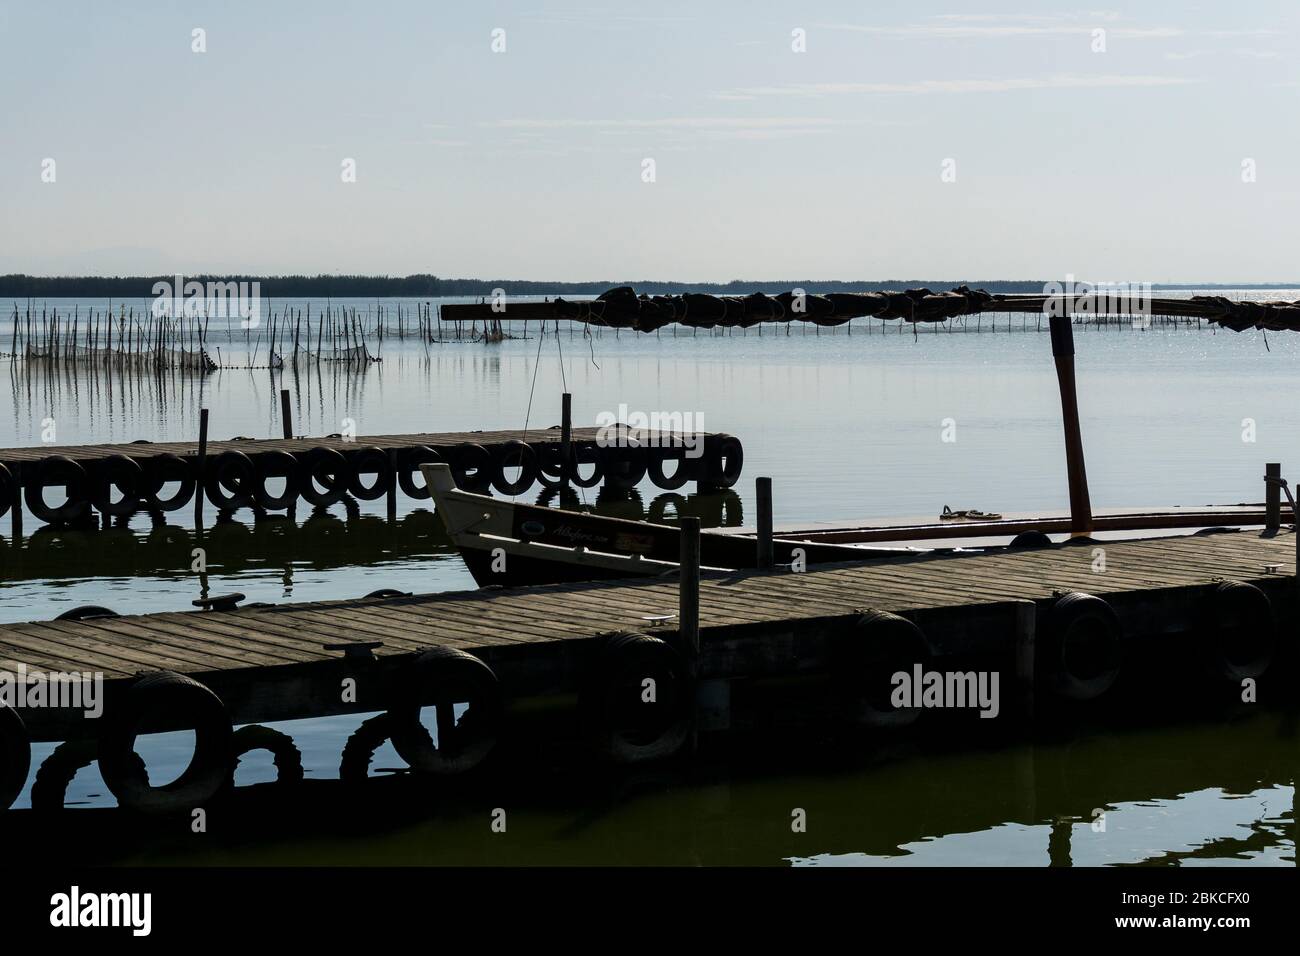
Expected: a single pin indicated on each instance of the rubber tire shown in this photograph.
(161, 469)
(319, 463)
(271, 464)
(1235, 609)
(58, 469)
(1070, 612)
(623, 662)
(8, 490)
(288, 758)
(514, 452)
(15, 756)
(359, 750)
(728, 448)
(1030, 539)
(210, 767)
(409, 464)
(369, 460)
(85, 612)
(685, 469)
(113, 471)
(56, 772)
(624, 468)
(587, 454)
(466, 457)
(230, 481)
(443, 673)
(876, 647)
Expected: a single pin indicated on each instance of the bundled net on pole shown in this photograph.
(157, 358)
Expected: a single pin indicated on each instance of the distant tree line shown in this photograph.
(19, 286)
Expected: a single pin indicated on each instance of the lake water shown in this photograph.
(849, 424)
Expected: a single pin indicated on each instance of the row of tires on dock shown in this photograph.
(273, 480)
(1080, 650)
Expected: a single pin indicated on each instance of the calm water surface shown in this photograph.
(849, 425)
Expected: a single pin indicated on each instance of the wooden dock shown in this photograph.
(287, 661)
(116, 480)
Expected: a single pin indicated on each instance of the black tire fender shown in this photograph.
(863, 661)
(175, 695)
(618, 719)
(1082, 649)
(442, 677)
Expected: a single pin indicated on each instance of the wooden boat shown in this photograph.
(512, 544)
(509, 543)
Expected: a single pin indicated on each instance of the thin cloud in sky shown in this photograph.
(930, 87)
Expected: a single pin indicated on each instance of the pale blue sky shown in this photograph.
(1123, 165)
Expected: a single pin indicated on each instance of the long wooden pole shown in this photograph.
(1062, 334)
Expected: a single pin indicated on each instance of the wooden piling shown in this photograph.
(1272, 497)
(1063, 353)
(566, 435)
(199, 469)
(688, 597)
(286, 418)
(16, 471)
(763, 493)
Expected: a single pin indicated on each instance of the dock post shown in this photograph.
(286, 419)
(763, 492)
(392, 485)
(1026, 629)
(18, 505)
(1063, 354)
(199, 469)
(688, 612)
(1272, 497)
(566, 436)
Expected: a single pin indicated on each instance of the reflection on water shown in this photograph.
(848, 426)
(1172, 796)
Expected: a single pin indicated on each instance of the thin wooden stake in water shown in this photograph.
(286, 418)
(763, 492)
(688, 599)
(1272, 497)
(1063, 352)
(199, 470)
(566, 435)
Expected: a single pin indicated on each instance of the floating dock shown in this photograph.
(119, 479)
(1059, 622)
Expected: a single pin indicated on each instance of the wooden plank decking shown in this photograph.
(271, 663)
(143, 450)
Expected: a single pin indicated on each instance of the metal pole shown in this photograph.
(763, 492)
(1063, 353)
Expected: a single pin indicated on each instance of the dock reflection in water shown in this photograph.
(1218, 794)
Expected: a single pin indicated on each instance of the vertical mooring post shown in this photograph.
(286, 419)
(18, 505)
(566, 436)
(392, 484)
(1063, 354)
(688, 611)
(1272, 497)
(763, 492)
(199, 469)
(1026, 629)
